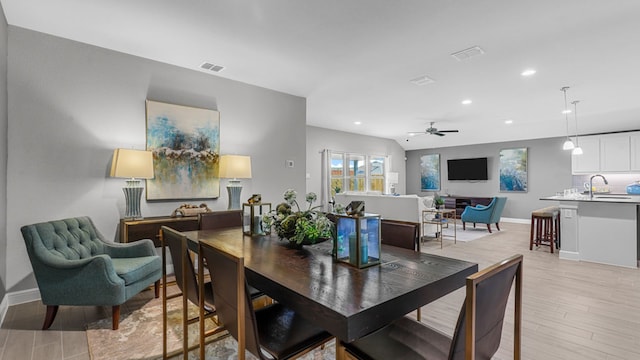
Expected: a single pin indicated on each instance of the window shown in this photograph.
(357, 172)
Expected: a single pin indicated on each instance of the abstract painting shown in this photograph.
(513, 170)
(430, 172)
(185, 142)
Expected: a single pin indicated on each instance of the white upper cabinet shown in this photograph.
(614, 153)
(635, 152)
(589, 161)
(609, 153)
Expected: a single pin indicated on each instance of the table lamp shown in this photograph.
(133, 165)
(234, 167)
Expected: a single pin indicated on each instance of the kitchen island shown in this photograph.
(603, 229)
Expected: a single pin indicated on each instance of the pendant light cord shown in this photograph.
(575, 114)
(566, 113)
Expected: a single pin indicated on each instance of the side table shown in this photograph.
(441, 218)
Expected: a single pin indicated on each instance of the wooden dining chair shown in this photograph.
(219, 219)
(478, 331)
(274, 330)
(404, 234)
(185, 277)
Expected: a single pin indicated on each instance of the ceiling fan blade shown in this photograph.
(448, 131)
(437, 133)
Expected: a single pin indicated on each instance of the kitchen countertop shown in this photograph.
(598, 198)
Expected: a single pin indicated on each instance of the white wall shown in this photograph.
(70, 104)
(320, 138)
(3, 152)
(549, 171)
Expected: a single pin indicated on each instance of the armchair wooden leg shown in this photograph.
(115, 317)
(489, 228)
(464, 227)
(156, 288)
(498, 226)
(52, 310)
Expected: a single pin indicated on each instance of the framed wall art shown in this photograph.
(430, 172)
(513, 170)
(185, 142)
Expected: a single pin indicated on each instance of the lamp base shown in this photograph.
(132, 195)
(234, 188)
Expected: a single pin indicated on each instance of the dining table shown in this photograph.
(346, 301)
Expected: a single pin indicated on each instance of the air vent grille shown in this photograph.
(212, 67)
(468, 53)
(422, 80)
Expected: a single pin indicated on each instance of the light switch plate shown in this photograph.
(290, 163)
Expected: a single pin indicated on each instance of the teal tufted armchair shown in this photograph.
(74, 265)
(489, 214)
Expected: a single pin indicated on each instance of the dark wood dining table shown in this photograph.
(346, 301)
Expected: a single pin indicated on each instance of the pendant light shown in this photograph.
(577, 150)
(568, 144)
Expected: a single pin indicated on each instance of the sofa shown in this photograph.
(393, 207)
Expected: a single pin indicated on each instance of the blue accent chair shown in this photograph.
(489, 214)
(74, 265)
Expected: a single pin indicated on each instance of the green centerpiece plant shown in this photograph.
(299, 227)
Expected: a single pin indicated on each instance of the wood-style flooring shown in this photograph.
(571, 310)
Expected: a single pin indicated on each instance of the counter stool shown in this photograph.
(545, 227)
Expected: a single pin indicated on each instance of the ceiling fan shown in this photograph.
(432, 131)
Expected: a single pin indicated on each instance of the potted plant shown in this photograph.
(299, 227)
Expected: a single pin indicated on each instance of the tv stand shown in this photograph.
(459, 203)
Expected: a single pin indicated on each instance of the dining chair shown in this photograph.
(185, 277)
(272, 332)
(478, 330)
(403, 234)
(219, 219)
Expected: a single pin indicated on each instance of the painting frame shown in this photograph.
(430, 172)
(514, 163)
(185, 142)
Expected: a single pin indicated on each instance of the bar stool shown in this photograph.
(545, 227)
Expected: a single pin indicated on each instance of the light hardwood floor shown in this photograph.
(571, 310)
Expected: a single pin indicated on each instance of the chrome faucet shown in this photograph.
(591, 184)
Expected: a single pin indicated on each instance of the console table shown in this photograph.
(459, 203)
(149, 228)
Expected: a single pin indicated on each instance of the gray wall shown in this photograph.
(3, 152)
(319, 139)
(549, 170)
(70, 104)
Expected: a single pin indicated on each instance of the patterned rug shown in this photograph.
(140, 334)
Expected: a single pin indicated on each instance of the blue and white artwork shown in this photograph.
(430, 172)
(513, 170)
(185, 142)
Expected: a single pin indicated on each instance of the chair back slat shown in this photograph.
(231, 296)
(404, 234)
(219, 219)
(479, 326)
(182, 264)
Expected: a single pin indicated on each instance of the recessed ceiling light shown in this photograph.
(508, 121)
(528, 72)
(466, 102)
(357, 122)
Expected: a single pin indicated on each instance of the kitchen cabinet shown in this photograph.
(589, 161)
(614, 153)
(634, 145)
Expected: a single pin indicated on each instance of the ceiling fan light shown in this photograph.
(576, 151)
(568, 145)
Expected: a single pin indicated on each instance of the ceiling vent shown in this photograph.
(468, 53)
(422, 80)
(211, 67)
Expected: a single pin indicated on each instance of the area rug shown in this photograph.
(140, 335)
(469, 234)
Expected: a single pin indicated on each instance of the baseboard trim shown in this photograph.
(17, 297)
(515, 220)
(569, 255)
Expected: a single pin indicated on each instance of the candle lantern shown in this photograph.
(252, 217)
(357, 240)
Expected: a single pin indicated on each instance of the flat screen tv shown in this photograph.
(467, 169)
